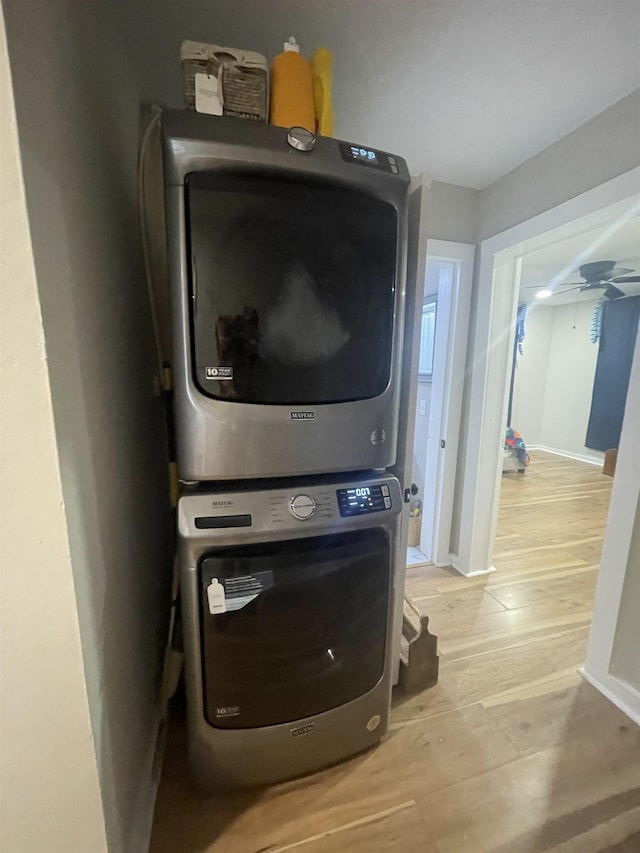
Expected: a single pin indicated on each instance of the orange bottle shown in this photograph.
(291, 90)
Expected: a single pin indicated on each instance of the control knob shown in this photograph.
(301, 139)
(302, 507)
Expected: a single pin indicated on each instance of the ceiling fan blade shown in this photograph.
(617, 272)
(613, 292)
(625, 278)
(568, 289)
(568, 284)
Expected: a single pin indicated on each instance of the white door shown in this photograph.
(448, 280)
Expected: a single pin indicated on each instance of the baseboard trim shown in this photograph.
(453, 562)
(621, 694)
(590, 460)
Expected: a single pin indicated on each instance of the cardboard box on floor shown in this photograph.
(610, 459)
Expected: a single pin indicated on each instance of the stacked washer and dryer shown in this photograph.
(287, 260)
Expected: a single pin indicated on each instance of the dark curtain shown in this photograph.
(617, 342)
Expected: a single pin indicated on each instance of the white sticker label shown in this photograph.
(207, 98)
(239, 603)
(216, 597)
(218, 373)
(240, 591)
(229, 711)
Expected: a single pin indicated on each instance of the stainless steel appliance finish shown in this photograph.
(222, 438)
(320, 654)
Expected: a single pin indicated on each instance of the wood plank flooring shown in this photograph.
(511, 752)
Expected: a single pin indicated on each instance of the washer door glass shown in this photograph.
(292, 290)
(304, 627)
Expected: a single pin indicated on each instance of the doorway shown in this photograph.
(444, 323)
(491, 355)
(499, 274)
(576, 324)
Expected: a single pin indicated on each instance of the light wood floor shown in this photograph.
(510, 753)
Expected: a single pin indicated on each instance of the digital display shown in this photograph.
(378, 160)
(364, 154)
(360, 500)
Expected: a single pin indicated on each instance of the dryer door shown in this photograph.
(293, 290)
(304, 627)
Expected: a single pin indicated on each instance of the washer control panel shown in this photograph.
(302, 507)
(363, 499)
(307, 509)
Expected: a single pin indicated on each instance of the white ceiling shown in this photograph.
(466, 90)
(557, 262)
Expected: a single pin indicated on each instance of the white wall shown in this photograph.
(49, 786)
(77, 109)
(554, 379)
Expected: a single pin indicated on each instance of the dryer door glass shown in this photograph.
(292, 290)
(305, 627)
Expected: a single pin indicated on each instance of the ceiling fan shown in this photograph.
(598, 275)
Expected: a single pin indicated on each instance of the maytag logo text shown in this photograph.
(303, 730)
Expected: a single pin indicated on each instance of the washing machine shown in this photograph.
(288, 599)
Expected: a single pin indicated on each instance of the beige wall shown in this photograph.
(569, 385)
(78, 123)
(554, 379)
(597, 151)
(452, 213)
(531, 375)
(48, 759)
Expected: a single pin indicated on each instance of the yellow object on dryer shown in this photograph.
(322, 76)
(291, 90)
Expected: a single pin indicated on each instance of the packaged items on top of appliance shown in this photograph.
(322, 78)
(292, 89)
(224, 80)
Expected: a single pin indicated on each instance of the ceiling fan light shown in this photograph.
(545, 293)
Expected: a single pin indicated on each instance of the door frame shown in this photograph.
(415, 252)
(453, 313)
(620, 550)
(495, 321)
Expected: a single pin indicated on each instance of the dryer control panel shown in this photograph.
(373, 159)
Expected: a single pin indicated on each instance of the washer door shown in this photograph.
(304, 626)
